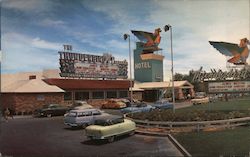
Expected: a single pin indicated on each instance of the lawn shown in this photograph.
(227, 143)
(231, 105)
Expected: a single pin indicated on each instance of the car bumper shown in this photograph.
(91, 137)
(72, 124)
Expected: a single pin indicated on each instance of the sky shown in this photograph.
(33, 31)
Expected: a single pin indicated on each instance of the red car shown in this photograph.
(113, 104)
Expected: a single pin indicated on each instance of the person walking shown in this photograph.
(11, 112)
(6, 114)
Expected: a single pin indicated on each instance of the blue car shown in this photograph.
(162, 104)
(138, 107)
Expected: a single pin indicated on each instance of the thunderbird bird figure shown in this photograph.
(239, 53)
(150, 40)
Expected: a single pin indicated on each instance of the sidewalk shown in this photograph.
(22, 116)
(17, 117)
(183, 104)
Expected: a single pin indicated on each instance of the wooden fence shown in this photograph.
(194, 125)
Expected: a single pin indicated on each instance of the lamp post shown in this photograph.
(125, 36)
(167, 28)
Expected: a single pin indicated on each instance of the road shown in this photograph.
(50, 137)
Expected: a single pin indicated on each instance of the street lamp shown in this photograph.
(125, 36)
(167, 28)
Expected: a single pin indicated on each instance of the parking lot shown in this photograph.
(50, 137)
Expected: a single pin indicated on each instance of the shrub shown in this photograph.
(196, 115)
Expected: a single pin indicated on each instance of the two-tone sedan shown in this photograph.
(82, 117)
(51, 110)
(110, 127)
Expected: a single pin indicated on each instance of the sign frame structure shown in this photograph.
(78, 65)
(232, 86)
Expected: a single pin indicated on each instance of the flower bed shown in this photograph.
(182, 116)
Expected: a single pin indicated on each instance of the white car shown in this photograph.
(82, 118)
(81, 105)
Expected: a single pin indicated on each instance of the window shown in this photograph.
(96, 113)
(123, 94)
(83, 114)
(81, 95)
(67, 96)
(72, 114)
(98, 95)
(111, 94)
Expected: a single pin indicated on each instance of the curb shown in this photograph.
(179, 146)
(170, 137)
(22, 116)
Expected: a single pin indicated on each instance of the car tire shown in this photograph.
(49, 115)
(111, 139)
(84, 125)
(132, 133)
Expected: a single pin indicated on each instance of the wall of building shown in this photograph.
(142, 69)
(28, 102)
(147, 70)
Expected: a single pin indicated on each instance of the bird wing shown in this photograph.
(227, 49)
(143, 36)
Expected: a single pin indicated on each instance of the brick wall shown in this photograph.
(28, 102)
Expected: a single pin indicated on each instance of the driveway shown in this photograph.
(50, 137)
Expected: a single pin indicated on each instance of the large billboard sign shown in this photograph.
(78, 65)
(229, 87)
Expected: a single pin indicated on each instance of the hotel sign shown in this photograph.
(229, 87)
(78, 65)
(142, 65)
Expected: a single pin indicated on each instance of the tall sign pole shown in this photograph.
(130, 67)
(166, 28)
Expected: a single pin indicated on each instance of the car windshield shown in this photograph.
(101, 122)
(141, 105)
(50, 106)
(72, 114)
(109, 121)
(80, 103)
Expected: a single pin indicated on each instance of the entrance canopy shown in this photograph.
(162, 85)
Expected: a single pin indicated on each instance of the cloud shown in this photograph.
(126, 15)
(117, 44)
(24, 53)
(42, 44)
(52, 23)
(28, 5)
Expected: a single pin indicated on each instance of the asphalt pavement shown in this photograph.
(30, 136)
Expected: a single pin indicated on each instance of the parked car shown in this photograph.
(80, 105)
(82, 118)
(200, 98)
(137, 107)
(110, 127)
(162, 104)
(113, 104)
(51, 110)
